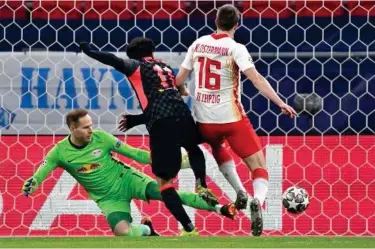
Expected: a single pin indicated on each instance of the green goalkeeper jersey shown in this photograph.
(93, 165)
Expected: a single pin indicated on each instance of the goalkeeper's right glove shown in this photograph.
(29, 186)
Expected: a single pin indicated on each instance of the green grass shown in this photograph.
(190, 242)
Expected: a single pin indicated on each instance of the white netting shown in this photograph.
(304, 48)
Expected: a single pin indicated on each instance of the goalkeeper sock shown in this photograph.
(195, 201)
(228, 169)
(260, 184)
(139, 230)
(173, 203)
(198, 165)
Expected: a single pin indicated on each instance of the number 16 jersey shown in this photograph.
(217, 60)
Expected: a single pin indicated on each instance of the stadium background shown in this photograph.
(302, 47)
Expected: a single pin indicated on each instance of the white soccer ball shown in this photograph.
(296, 199)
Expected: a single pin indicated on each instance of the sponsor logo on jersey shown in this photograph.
(97, 153)
(88, 168)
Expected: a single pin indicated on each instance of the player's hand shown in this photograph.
(84, 46)
(29, 186)
(183, 91)
(122, 125)
(288, 110)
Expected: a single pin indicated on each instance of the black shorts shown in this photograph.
(167, 136)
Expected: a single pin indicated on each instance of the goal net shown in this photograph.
(319, 56)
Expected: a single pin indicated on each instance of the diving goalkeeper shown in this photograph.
(86, 155)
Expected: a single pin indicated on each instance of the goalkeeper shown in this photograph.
(86, 155)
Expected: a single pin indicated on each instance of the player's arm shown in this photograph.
(246, 65)
(129, 121)
(184, 72)
(50, 163)
(139, 155)
(125, 66)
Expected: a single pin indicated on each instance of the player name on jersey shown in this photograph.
(201, 48)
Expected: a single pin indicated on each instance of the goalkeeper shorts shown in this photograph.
(117, 206)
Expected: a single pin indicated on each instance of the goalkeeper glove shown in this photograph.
(29, 186)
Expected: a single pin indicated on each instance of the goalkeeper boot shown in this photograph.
(241, 200)
(207, 195)
(147, 222)
(256, 217)
(229, 211)
(192, 233)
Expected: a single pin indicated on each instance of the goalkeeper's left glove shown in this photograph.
(29, 186)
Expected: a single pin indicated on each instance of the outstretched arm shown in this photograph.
(266, 89)
(127, 67)
(245, 63)
(103, 57)
(50, 163)
(139, 155)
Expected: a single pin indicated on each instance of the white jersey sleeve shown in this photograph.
(242, 57)
(188, 61)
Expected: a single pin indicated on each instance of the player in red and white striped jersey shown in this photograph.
(217, 60)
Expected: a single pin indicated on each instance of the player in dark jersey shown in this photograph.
(167, 118)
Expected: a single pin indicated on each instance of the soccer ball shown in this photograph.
(296, 199)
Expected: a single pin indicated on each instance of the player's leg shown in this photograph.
(190, 140)
(166, 163)
(245, 143)
(119, 219)
(192, 200)
(213, 135)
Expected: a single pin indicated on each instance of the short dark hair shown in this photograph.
(227, 17)
(140, 47)
(73, 116)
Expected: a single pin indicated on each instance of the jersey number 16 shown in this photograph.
(211, 81)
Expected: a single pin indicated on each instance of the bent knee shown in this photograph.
(221, 155)
(122, 228)
(256, 160)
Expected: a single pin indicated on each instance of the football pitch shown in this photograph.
(190, 242)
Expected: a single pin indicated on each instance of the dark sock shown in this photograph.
(173, 202)
(198, 165)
